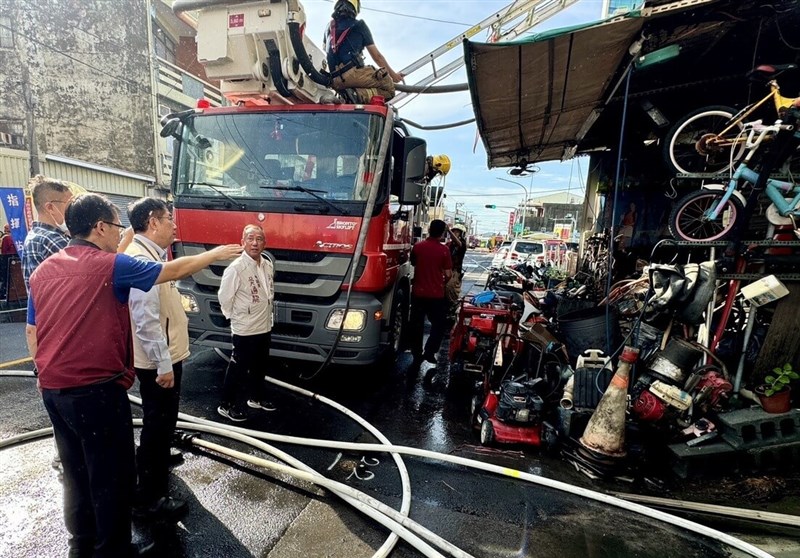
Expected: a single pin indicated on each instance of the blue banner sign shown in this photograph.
(13, 202)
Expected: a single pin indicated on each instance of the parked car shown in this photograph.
(500, 255)
(531, 250)
(552, 251)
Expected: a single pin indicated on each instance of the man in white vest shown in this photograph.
(160, 345)
(246, 296)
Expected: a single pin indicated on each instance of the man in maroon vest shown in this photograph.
(432, 270)
(79, 333)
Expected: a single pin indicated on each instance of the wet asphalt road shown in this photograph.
(237, 510)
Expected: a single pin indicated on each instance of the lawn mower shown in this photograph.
(481, 320)
(512, 401)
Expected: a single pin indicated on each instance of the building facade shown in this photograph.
(86, 89)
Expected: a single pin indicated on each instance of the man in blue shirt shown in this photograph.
(79, 334)
(345, 41)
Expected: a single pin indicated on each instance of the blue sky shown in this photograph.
(409, 29)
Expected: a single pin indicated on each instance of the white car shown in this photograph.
(522, 250)
(500, 255)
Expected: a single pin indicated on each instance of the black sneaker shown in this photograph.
(231, 413)
(263, 405)
(163, 508)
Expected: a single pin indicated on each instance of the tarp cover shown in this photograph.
(534, 99)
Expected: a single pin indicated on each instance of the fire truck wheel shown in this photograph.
(487, 433)
(397, 325)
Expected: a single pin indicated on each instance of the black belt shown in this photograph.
(342, 68)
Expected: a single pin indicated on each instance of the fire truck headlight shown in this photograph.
(189, 303)
(354, 321)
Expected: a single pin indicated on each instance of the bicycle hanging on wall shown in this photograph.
(710, 140)
(716, 210)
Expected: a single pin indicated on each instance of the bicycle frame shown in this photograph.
(780, 103)
(775, 189)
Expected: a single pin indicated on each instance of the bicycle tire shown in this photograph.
(687, 221)
(680, 144)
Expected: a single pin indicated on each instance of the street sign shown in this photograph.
(518, 228)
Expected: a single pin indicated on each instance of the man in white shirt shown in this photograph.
(246, 296)
(160, 345)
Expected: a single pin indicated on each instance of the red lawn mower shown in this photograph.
(513, 371)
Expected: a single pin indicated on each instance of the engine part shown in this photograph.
(648, 407)
(677, 356)
(671, 395)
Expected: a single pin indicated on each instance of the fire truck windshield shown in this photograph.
(286, 156)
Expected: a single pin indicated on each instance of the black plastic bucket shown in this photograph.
(586, 329)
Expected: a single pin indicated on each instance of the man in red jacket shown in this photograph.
(79, 334)
(432, 270)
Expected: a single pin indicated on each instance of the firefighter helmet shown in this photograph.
(356, 4)
(440, 164)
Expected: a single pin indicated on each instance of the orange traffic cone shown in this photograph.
(605, 432)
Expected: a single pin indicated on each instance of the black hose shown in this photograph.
(322, 78)
(275, 68)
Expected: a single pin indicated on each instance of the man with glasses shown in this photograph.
(246, 295)
(160, 345)
(79, 333)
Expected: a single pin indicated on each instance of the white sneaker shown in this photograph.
(263, 405)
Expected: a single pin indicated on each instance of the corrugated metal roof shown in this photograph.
(536, 99)
(532, 99)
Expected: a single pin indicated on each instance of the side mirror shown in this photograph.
(172, 127)
(413, 177)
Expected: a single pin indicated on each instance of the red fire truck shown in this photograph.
(334, 186)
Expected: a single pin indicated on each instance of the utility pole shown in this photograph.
(30, 102)
(524, 205)
(30, 122)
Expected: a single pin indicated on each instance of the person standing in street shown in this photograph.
(49, 232)
(79, 334)
(345, 41)
(458, 249)
(48, 235)
(432, 270)
(160, 345)
(246, 296)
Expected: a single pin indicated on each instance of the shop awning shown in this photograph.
(534, 99)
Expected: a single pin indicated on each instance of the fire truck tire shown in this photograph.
(487, 433)
(398, 322)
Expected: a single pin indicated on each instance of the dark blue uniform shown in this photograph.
(346, 39)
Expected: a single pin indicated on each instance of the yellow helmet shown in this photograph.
(355, 3)
(440, 164)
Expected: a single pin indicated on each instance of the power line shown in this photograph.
(411, 16)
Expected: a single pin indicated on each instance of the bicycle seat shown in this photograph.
(769, 71)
